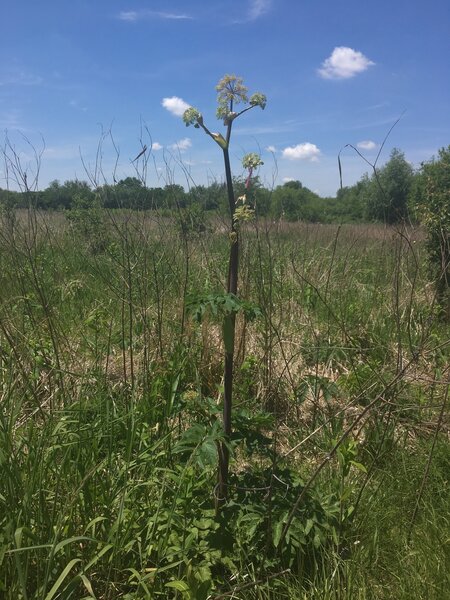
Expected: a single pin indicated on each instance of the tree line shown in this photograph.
(394, 193)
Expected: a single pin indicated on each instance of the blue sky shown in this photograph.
(334, 73)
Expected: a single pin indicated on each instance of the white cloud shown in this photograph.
(306, 151)
(133, 15)
(156, 146)
(173, 16)
(255, 10)
(344, 63)
(288, 179)
(128, 15)
(258, 8)
(367, 145)
(271, 149)
(182, 145)
(175, 105)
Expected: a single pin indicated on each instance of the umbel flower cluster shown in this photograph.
(231, 93)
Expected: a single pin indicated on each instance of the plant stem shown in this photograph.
(232, 285)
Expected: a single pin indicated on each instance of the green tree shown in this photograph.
(9, 199)
(57, 195)
(231, 93)
(430, 200)
(294, 202)
(174, 196)
(286, 202)
(129, 193)
(352, 201)
(389, 190)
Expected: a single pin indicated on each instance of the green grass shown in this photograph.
(110, 413)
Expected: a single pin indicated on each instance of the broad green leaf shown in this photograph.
(207, 453)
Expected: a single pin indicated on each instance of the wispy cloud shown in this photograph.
(175, 105)
(138, 15)
(367, 145)
(156, 146)
(19, 77)
(344, 63)
(288, 126)
(371, 124)
(376, 106)
(306, 151)
(258, 8)
(74, 103)
(254, 10)
(182, 145)
(271, 149)
(10, 119)
(128, 15)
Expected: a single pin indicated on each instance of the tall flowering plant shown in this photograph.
(232, 102)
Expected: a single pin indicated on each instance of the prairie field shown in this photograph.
(111, 385)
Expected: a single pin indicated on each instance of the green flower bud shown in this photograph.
(252, 161)
(258, 99)
(192, 116)
(243, 214)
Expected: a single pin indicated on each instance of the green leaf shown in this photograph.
(77, 538)
(358, 466)
(98, 519)
(180, 586)
(203, 590)
(191, 438)
(87, 584)
(207, 453)
(61, 578)
(98, 556)
(169, 567)
(317, 541)
(277, 531)
(309, 525)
